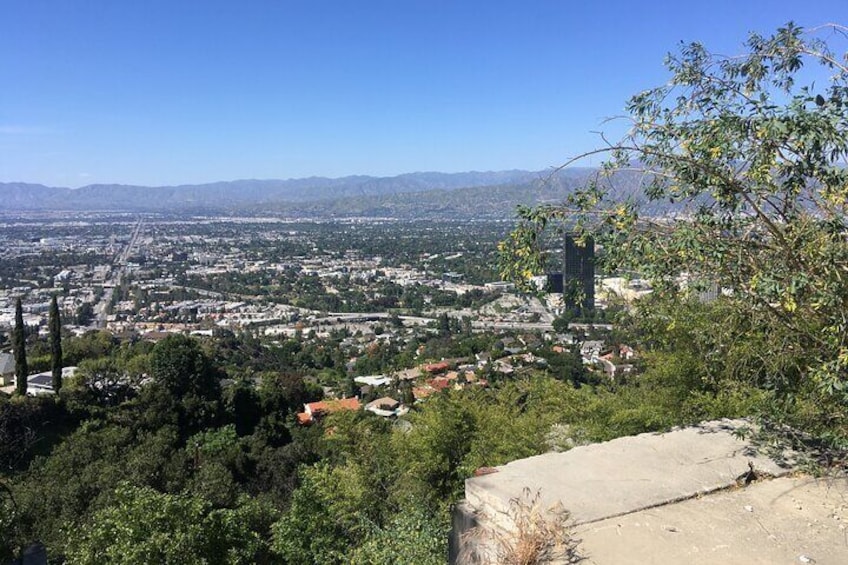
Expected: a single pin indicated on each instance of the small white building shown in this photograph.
(387, 407)
(7, 369)
(42, 383)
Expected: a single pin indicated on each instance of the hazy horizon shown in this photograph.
(164, 94)
(289, 179)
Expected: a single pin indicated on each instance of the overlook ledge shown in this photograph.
(683, 496)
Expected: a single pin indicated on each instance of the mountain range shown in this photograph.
(428, 194)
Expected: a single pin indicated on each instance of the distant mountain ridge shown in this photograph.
(424, 194)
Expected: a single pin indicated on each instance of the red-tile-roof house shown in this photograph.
(422, 392)
(439, 367)
(315, 410)
(439, 383)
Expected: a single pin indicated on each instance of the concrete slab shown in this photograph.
(785, 520)
(625, 475)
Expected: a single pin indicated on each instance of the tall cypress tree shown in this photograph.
(19, 344)
(55, 345)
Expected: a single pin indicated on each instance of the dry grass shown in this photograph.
(537, 535)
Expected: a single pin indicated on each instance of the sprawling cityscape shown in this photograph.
(415, 283)
(381, 283)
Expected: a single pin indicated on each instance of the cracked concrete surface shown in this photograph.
(677, 497)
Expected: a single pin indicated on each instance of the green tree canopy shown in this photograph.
(740, 164)
(55, 324)
(184, 377)
(19, 344)
(178, 364)
(144, 526)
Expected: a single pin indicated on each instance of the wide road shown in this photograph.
(101, 309)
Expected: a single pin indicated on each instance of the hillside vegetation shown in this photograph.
(189, 451)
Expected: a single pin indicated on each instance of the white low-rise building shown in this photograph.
(42, 383)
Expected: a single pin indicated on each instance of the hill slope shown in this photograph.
(472, 194)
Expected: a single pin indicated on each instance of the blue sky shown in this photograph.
(168, 92)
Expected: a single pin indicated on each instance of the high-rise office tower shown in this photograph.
(579, 273)
(554, 283)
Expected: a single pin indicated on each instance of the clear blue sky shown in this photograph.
(176, 91)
